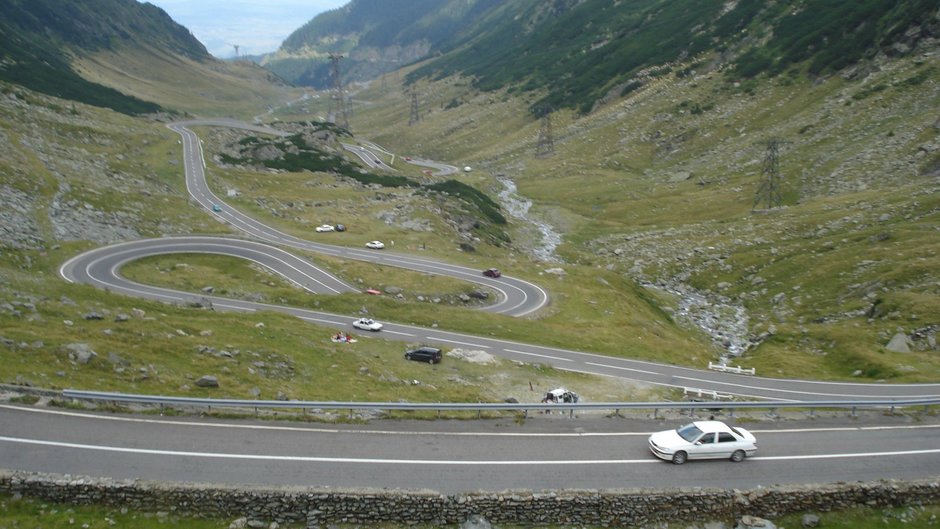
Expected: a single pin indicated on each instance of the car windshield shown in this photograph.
(689, 432)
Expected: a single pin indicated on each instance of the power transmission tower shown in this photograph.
(546, 144)
(769, 190)
(415, 116)
(337, 100)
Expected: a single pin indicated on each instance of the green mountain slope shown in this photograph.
(79, 24)
(578, 52)
(376, 36)
(583, 54)
(39, 37)
(134, 60)
(660, 183)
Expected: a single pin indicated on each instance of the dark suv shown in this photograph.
(431, 355)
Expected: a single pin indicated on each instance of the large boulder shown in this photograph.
(81, 352)
(898, 344)
(754, 522)
(208, 381)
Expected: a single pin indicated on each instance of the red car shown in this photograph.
(492, 272)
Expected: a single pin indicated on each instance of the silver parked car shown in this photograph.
(703, 440)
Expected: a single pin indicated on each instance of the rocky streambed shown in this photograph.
(715, 315)
(546, 239)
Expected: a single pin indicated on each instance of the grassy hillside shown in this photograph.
(133, 61)
(588, 51)
(38, 39)
(660, 186)
(375, 36)
(75, 177)
(79, 25)
(179, 84)
(654, 194)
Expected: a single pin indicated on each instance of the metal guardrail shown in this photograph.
(480, 407)
(732, 369)
(702, 393)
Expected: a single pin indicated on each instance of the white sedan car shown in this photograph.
(324, 228)
(703, 440)
(367, 324)
(375, 245)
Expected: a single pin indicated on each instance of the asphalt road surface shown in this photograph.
(546, 452)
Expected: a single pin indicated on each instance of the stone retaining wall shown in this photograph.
(628, 507)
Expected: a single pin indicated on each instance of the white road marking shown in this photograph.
(233, 307)
(845, 456)
(399, 333)
(312, 459)
(848, 429)
(458, 462)
(439, 339)
(623, 368)
(320, 320)
(560, 359)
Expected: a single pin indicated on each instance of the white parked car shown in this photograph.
(375, 245)
(324, 228)
(703, 440)
(367, 324)
(560, 395)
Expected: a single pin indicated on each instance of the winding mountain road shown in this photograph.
(545, 452)
(100, 267)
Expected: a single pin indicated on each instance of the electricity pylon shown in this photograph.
(546, 144)
(414, 116)
(337, 99)
(769, 190)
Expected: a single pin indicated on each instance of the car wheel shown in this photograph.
(738, 456)
(679, 457)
